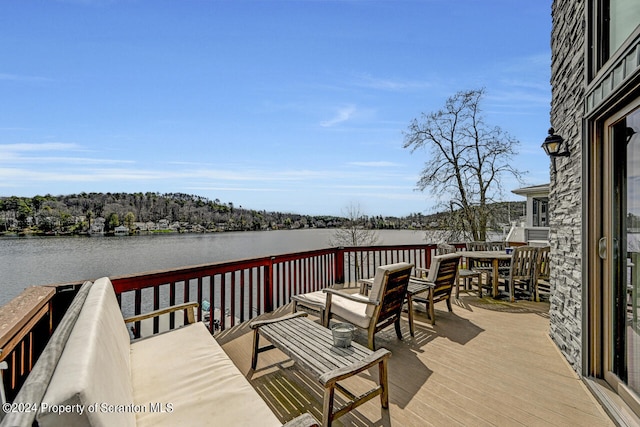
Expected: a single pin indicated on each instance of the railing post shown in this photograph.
(268, 283)
(338, 264)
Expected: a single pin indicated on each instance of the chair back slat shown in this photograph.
(542, 263)
(393, 289)
(477, 246)
(542, 273)
(446, 275)
(496, 246)
(445, 248)
(440, 281)
(523, 263)
(523, 266)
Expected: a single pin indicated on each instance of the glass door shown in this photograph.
(621, 258)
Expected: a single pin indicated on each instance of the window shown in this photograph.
(624, 17)
(612, 22)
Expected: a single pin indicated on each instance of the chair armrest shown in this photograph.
(421, 281)
(349, 296)
(304, 420)
(189, 306)
(257, 323)
(422, 271)
(348, 371)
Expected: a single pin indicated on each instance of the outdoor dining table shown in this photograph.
(494, 257)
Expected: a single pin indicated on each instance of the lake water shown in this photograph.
(26, 261)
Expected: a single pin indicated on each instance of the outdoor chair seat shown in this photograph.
(352, 309)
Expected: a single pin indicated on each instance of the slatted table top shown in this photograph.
(311, 345)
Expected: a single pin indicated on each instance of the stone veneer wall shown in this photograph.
(565, 191)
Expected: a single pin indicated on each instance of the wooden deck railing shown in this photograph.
(26, 323)
(236, 291)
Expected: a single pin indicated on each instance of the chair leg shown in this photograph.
(410, 313)
(372, 340)
(432, 311)
(398, 331)
(449, 304)
(326, 313)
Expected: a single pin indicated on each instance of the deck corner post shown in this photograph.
(338, 264)
(268, 294)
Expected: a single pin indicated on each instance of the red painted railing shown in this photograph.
(240, 290)
(237, 291)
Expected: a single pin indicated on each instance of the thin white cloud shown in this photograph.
(48, 146)
(22, 78)
(371, 82)
(71, 160)
(379, 164)
(80, 175)
(373, 187)
(251, 189)
(343, 114)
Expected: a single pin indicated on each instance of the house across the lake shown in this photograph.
(121, 230)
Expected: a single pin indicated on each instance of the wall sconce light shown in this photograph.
(554, 146)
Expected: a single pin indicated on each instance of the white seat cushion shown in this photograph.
(352, 311)
(188, 369)
(314, 300)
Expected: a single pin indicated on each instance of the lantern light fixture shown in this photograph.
(554, 145)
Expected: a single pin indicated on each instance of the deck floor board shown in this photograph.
(488, 363)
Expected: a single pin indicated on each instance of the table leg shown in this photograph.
(495, 278)
(327, 406)
(410, 313)
(382, 377)
(254, 355)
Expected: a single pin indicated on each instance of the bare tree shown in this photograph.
(355, 231)
(467, 161)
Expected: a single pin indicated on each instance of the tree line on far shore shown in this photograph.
(77, 213)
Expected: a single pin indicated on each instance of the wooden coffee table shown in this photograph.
(311, 347)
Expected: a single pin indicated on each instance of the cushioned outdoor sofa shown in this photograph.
(102, 378)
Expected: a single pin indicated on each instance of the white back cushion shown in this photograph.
(379, 282)
(94, 366)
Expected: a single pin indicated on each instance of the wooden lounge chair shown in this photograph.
(464, 274)
(541, 276)
(373, 312)
(441, 278)
(521, 274)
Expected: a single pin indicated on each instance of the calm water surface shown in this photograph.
(26, 261)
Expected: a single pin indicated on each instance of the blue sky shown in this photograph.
(282, 105)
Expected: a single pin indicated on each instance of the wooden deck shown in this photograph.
(489, 363)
